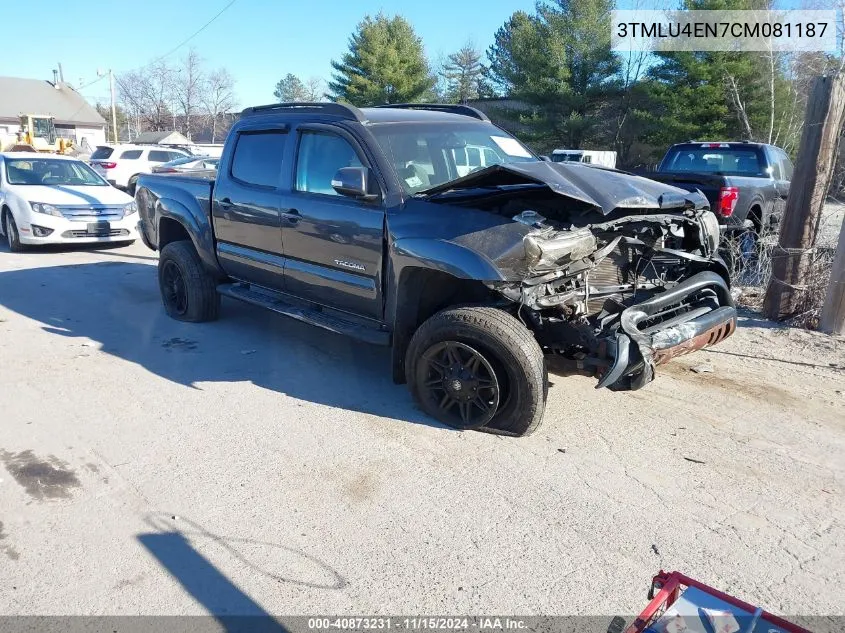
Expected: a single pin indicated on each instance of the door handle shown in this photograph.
(291, 215)
(225, 204)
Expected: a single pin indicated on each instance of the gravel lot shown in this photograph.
(257, 464)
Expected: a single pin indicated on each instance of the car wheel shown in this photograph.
(188, 291)
(12, 236)
(477, 367)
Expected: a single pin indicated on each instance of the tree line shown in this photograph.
(185, 96)
(560, 84)
(550, 75)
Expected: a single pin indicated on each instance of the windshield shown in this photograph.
(51, 171)
(429, 154)
(725, 160)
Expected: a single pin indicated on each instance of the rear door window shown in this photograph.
(101, 153)
(258, 158)
(130, 154)
(159, 156)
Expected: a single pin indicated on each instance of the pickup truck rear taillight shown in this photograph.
(727, 200)
(107, 165)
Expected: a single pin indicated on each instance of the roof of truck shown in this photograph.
(393, 113)
(396, 115)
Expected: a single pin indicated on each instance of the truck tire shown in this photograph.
(11, 230)
(477, 367)
(188, 291)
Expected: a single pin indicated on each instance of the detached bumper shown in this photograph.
(695, 314)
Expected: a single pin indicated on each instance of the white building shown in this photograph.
(74, 117)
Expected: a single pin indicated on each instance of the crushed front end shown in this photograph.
(613, 273)
(618, 297)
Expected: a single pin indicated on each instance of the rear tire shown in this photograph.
(13, 238)
(479, 338)
(188, 291)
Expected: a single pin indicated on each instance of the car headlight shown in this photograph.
(710, 231)
(46, 209)
(129, 209)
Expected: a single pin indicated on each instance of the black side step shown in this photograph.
(278, 302)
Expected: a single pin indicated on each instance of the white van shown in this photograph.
(589, 156)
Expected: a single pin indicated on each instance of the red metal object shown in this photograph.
(671, 585)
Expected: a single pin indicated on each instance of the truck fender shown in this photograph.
(448, 257)
(414, 263)
(199, 232)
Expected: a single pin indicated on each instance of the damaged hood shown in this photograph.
(602, 189)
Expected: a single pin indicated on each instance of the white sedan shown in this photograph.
(51, 199)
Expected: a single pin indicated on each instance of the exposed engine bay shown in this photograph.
(584, 279)
(614, 279)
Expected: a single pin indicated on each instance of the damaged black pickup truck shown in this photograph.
(428, 229)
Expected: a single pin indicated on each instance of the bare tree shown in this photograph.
(739, 106)
(218, 99)
(148, 94)
(291, 88)
(189, 85)
(461, 73)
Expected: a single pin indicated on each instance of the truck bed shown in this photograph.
(191, 191)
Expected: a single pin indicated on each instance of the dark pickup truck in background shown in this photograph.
(746, 183)
(363, 222)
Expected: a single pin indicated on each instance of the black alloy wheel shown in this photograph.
(173, 288)
(461, 383)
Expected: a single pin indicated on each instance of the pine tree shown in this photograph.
(463, 73)
(385, 64)
(558, 61)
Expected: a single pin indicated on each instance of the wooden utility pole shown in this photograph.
(833, 312)
(810, 182)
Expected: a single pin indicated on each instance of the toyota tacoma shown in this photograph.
(427, 228)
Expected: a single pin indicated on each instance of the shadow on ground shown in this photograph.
(116, 305)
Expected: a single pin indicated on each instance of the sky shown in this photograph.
(258, 41)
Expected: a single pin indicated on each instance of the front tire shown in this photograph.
(477, 367)
(188, 291)
(13, 238)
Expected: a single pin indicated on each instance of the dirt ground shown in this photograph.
(140, 457)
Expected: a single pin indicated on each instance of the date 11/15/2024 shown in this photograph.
(417, 623)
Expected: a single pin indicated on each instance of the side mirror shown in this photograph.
(353, 182)
(545, 158)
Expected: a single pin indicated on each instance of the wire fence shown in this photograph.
(750, 256)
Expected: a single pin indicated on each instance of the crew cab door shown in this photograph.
(333, 243)
(245, 209)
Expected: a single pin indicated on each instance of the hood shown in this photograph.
(599, 188)
(72, 195)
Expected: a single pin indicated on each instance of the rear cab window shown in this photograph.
(257, 159)
(715, 159)
(131, 154)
